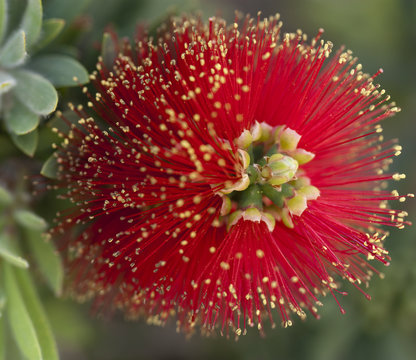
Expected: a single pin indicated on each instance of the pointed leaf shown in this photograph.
(47, 260)
(6, 197)
(60, 70)
(38, 316)
(21, 325)
(3, 18)
(36, 92)
(20, 120)
(50, 168)
(51, 28)
(6, 82)
(9, 253)
(30, 220)
(13, 52)
(32, 21)
(27, 143)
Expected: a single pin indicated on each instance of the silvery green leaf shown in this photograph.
(26, 143)
(13, 52)
(32, 21)
(9, 253)
(20, 120)
(60, 70)
(21, 325)
(51, 28)
(7, 82)
(50, 168)
(3, 18)
(36, 92)
(47, 260)
(30, 220)
(37, 315)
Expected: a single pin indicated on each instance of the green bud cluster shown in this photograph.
(272, 185)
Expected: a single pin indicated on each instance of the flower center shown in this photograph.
(273, 185)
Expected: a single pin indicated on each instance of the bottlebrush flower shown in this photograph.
(228, 174)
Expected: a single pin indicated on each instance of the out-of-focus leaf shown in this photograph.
(38, 316)
(65, 49)
(15, 10)
(30, 220)
(2, 323)
(50, 168)
(77, 330)
(13, 52)
(9, 253)
(6, 82)
(32, 21)
(2, 338)
(27, 143)
(60, 70)
(58, 122)
(3, 18)
(51, 28)
(108, 50)
(21, 324)
(20, 120)
(67, 10)
(5, 197)
(36, 92)
(2, 301)
(47, 260)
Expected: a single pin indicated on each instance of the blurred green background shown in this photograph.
(382, 33)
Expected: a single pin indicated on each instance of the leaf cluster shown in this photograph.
(29, 72)
(22, 316)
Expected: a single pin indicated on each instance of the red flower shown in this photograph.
(229, 174)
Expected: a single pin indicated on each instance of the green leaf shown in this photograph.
(47, 260)
(27, 143)
(3, 18)
(9, 252)
(51, 28)
(21, 324)
(36, 92)
(30, 220)
(6, 82)
(13, 52)
(60, 70)
(6, 198)
(38, 316)
(32, 21)
(49, 168)
(20, 120)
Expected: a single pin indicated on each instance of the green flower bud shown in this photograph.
(289, 139)
(297, 205)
